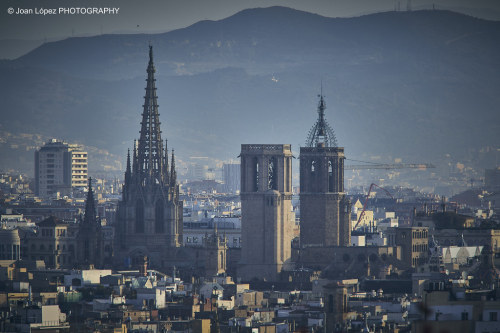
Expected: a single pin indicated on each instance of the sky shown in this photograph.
(148, 16)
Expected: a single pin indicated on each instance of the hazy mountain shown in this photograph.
(14, 48)
(415, 85)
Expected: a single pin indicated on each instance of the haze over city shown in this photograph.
(249, 166)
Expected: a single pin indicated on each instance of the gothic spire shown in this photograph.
(90, 215)
(128, 174)
(150, 152)
(128, 171)
(173, 173)
(134, 160)
(321, 133)
(165, 164)
(128, 161)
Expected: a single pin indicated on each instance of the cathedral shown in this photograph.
(149, 216)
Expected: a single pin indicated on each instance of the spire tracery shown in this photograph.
(150, 150)
(321, 133)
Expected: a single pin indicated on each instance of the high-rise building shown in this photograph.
(59, 168)
(324, 208)
(231, 176)
(149, 216)
(266, 214)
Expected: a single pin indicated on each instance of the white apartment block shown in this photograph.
(60, 167)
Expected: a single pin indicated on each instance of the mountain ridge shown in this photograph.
(396, 83)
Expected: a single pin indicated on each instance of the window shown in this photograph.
(139, 217)
(256, 175)
(159, 216)
(330, 303)
(493, 316)
(272, 183)
(330, 176)
(287, 172)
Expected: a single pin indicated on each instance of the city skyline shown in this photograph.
(317, 250)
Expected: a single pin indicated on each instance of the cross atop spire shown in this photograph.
(321, 134)
(150, 150)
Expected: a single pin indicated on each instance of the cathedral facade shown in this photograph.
(149, 216)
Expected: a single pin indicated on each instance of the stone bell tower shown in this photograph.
(324, 208)
(266, 190)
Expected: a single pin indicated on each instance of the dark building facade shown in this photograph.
(324, 208)
(63, 244)
(89, 240)
(149, 217)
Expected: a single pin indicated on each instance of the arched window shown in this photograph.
(330, 176)
(139, 217)
(256, 174)
(287, 174)
(272, 183)
(86, 250)
(159, 216)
